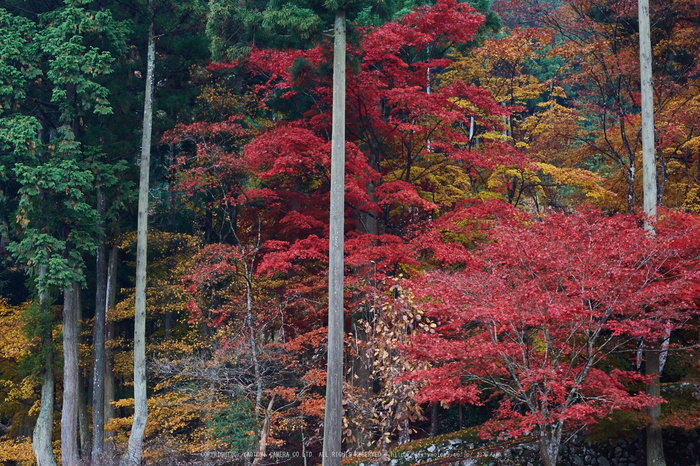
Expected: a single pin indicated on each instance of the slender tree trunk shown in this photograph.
(433, 419)
(69, 410)
(109, 394)
(41, 438)
(138, 427)
(332, 433)
(303, 448)
(647, 85)
(99, 338)
(71, 369)
(264, 435)
(109, 383)
(655, 448)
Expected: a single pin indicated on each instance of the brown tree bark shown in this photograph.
(654, 440)
(332, 425)
(69, 409)
(98, 372)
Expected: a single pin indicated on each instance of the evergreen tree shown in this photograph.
(57, 94)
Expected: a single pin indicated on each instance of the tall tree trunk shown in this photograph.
(41, 438)
(647, 87)
(109, 383)
(69, 410)
(98, 421)
(332, 425)
(138, 427)
(71, 419)
(655, 448)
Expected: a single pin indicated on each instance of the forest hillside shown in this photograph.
(518, 242)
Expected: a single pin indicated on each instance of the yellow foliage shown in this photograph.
(13, 342)
(36, 406)
(488, 195)
(590, 182)
(17, 451)
(494, 136)
(22, 390)
(177, 422)
(175, 412)
(18, 394)
(170, 258)
(123, 310)
(501, 175)
(219, 101)
(544, 130)
(692, 200)
(120, 426)
(124, 363)
(501, 66)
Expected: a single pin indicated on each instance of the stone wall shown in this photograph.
(680, 450)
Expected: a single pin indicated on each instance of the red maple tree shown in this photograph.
(539, 310)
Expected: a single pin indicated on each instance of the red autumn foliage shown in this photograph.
(541, 307)
(266, 180)
(403, 129)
